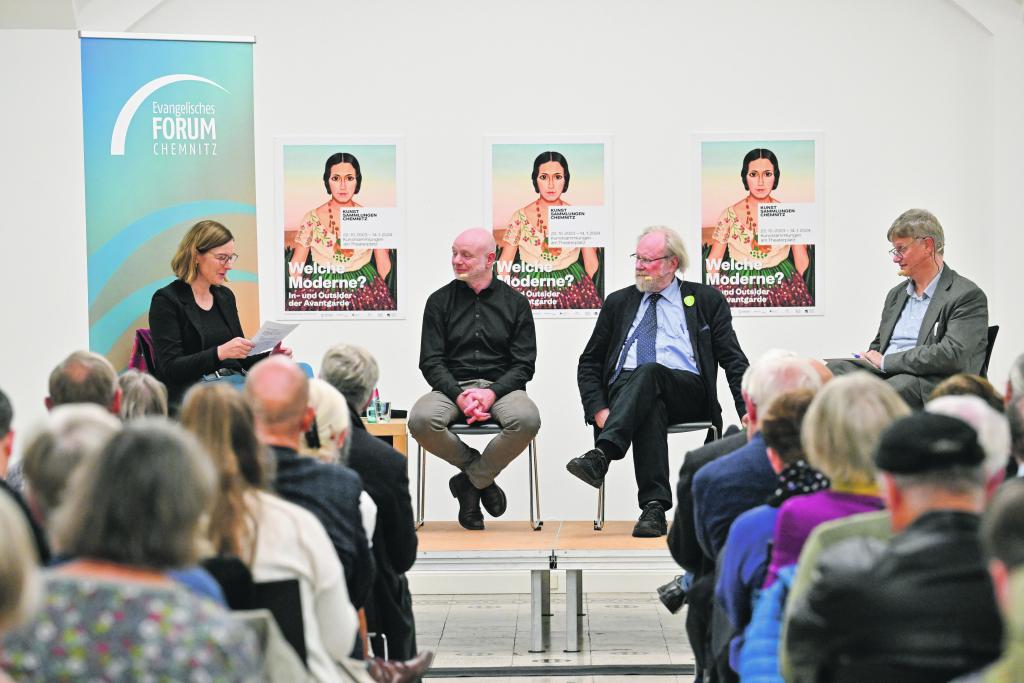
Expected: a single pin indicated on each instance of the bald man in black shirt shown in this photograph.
(477, 352)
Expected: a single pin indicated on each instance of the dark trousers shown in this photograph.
(642, 404)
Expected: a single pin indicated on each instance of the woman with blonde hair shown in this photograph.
(194, 320)
(839, 435)
(276, 539)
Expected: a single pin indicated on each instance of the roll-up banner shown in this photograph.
(168, 123)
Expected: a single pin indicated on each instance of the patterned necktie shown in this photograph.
(644, 336)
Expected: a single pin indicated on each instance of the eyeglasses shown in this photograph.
(900, 251)
(647, 261)
(226, 259)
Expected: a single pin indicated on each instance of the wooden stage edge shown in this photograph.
(517, 535)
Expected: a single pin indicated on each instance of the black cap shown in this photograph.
(925, 442)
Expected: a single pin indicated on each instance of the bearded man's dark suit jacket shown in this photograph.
(709, 324)
(953, 337)
(384, 472)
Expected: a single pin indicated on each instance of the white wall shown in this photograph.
(919, 101)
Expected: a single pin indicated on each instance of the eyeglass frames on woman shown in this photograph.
(226, 259)
(647, 261)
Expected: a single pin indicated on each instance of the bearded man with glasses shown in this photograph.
(934, 324)
(652, 361)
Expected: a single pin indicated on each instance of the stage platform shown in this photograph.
(569, 546)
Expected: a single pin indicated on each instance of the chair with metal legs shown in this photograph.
(680, 428)
(485, 429)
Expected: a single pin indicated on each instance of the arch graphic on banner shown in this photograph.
(124, 118)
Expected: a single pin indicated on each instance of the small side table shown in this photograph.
(396, 428)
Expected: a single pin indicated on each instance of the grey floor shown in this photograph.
(494, 631)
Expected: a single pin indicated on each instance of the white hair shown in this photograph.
(331, 420)
(673, 244)
(352, 370)
(776, 372)
(992, 428)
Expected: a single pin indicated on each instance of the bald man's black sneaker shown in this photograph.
(468, 496)
(652, 521)
(589, 467)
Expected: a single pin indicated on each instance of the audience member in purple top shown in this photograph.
(839, 435)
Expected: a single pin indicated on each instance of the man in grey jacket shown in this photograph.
(933, 325)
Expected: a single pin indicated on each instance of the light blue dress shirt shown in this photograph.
(908, 327)
(672, 346)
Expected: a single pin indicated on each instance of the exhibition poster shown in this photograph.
(760, 213)
(548, 203)
(168, 133)
(341, 221)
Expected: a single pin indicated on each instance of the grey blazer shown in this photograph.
(954, 331)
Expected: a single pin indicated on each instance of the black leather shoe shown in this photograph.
(494, 500)
(672, 595)
(652, 521)
(589, 467)
(468, 496)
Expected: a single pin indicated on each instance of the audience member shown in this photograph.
(744, 479)
(964, 384)
(734, 483)
(651, 361)
(744, 558)
(278, 392)
(991, 425)
(934, 324)
(329, 439)
(141, 394)
(68, 436)
(839, 436)
(920, 608)
(84, 377)
(477, 352)
(131, 512)
(57, 446)
(353, 371)
(276, 539)
(8, 491)
(1002, 537)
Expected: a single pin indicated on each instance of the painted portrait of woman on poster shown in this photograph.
(553, 278)
(324, 274)
(755, 274)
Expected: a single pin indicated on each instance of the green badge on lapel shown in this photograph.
(688, 300)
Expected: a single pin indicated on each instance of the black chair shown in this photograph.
(283, 600)
(680, 428)
(280, 598)
(234, 578)
(993, 330)
(480, 429)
